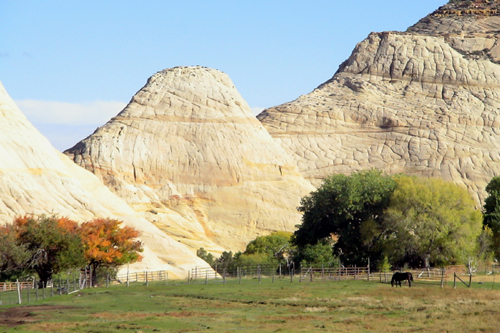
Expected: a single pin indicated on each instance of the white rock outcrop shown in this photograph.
(37, 179)
(423, 102)
(188, 154)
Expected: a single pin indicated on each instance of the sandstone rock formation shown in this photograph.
(189, 155)
(424, 102)
(36, 179)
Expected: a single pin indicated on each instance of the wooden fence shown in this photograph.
(10, 286)
(437, 276)
(146, 276)
(335, 274)
(204, 274)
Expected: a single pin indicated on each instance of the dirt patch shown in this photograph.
(21, 315)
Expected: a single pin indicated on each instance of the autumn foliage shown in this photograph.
(108, 244)
(48, 245)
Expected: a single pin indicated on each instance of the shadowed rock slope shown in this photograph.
(188, 154)
(423, 102)
(36, 179)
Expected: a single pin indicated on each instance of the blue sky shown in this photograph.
(72, 65)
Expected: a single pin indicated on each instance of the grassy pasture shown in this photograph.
(345, 306)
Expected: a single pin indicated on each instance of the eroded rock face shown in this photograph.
(189, 155)
(36, 179)
(425, 102)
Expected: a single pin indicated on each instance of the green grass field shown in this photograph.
(345, 306)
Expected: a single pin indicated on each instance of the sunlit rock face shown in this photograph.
(36, 179)
(423, 102)
(188, 154)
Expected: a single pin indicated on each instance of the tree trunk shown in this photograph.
(427, 261)
(45, 276)
(95, 267)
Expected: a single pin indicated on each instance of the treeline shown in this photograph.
(272, 250)
(387, 221)
(48, 245)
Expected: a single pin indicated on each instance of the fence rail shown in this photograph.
(9, 286)
(336, 274)
(30, 290)
(437, 276)
(146, 276)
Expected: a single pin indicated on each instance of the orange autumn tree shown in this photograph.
(107, 244)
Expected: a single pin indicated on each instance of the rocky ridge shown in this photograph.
(424, 102)
(188, 154)
(37, 179)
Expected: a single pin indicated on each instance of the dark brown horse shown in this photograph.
(398, 277)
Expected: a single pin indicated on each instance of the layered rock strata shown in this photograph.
(36, 179)
(189, 155)
(423, 102)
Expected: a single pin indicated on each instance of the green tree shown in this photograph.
(315, 255)
(491, 208)
(225, 262)
(208, 257)
(275, 246)
(13, 256)
(53, 244)
(343, 207)
(271, 249)
(430, 221)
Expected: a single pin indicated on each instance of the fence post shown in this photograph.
(239, 274)
(311, 274)
(18, 292)
(128, 272)
(224, 276)
(147, 279)
(368, 268)
(258, 272)
(29, 288)
(206, 277)
(454, 280)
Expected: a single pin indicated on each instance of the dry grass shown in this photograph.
(353, 306)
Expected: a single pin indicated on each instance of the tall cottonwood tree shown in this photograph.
(346, 207)
(430, 222)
